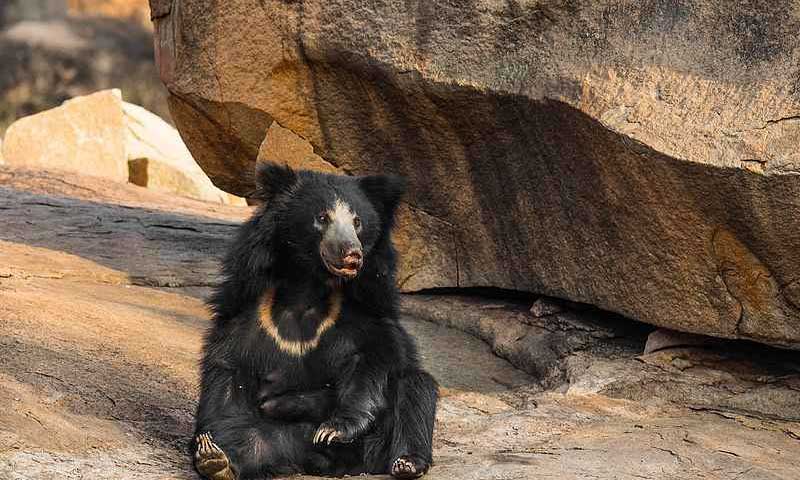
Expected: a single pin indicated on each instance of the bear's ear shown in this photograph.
(273, 179)
(384, 192)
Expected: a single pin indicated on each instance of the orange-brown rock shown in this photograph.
(136, 10)
(639, 156)
(159, 160)
(85, 134)
(101, 135)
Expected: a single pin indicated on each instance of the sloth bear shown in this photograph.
(306, 368)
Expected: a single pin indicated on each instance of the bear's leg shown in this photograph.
(412, 435)
(248, 448)
(405, 449)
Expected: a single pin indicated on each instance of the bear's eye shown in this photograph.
(357, 222)
(322, 218)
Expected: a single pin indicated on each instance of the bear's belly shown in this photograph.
(320, 368)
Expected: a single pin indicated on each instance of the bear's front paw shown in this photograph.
(334, 431)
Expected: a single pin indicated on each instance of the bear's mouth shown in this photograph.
(348, 267)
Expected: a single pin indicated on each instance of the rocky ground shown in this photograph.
(101, 316)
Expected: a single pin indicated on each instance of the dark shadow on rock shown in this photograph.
(590, 351)
(153, 247)
(544, 198)
(539, 346)
(460, 361)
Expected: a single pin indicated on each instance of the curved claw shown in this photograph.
(204, 443)
(326, 434)
(318, 434)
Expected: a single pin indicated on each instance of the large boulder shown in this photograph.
(85, 134)
(639, 156)
(102, 136)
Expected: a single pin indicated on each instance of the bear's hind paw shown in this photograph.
(409, 466)
(210, 461)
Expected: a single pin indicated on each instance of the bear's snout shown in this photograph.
(341, 249)
(343, 259)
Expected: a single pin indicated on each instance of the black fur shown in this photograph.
(262, 405)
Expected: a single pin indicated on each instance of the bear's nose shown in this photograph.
(352, 256)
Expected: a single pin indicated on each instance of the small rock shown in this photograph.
(544, 307)
(681, 363)
(664, 338)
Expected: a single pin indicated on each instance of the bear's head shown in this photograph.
(326, 225)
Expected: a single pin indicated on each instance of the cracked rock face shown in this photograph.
(638, 156)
